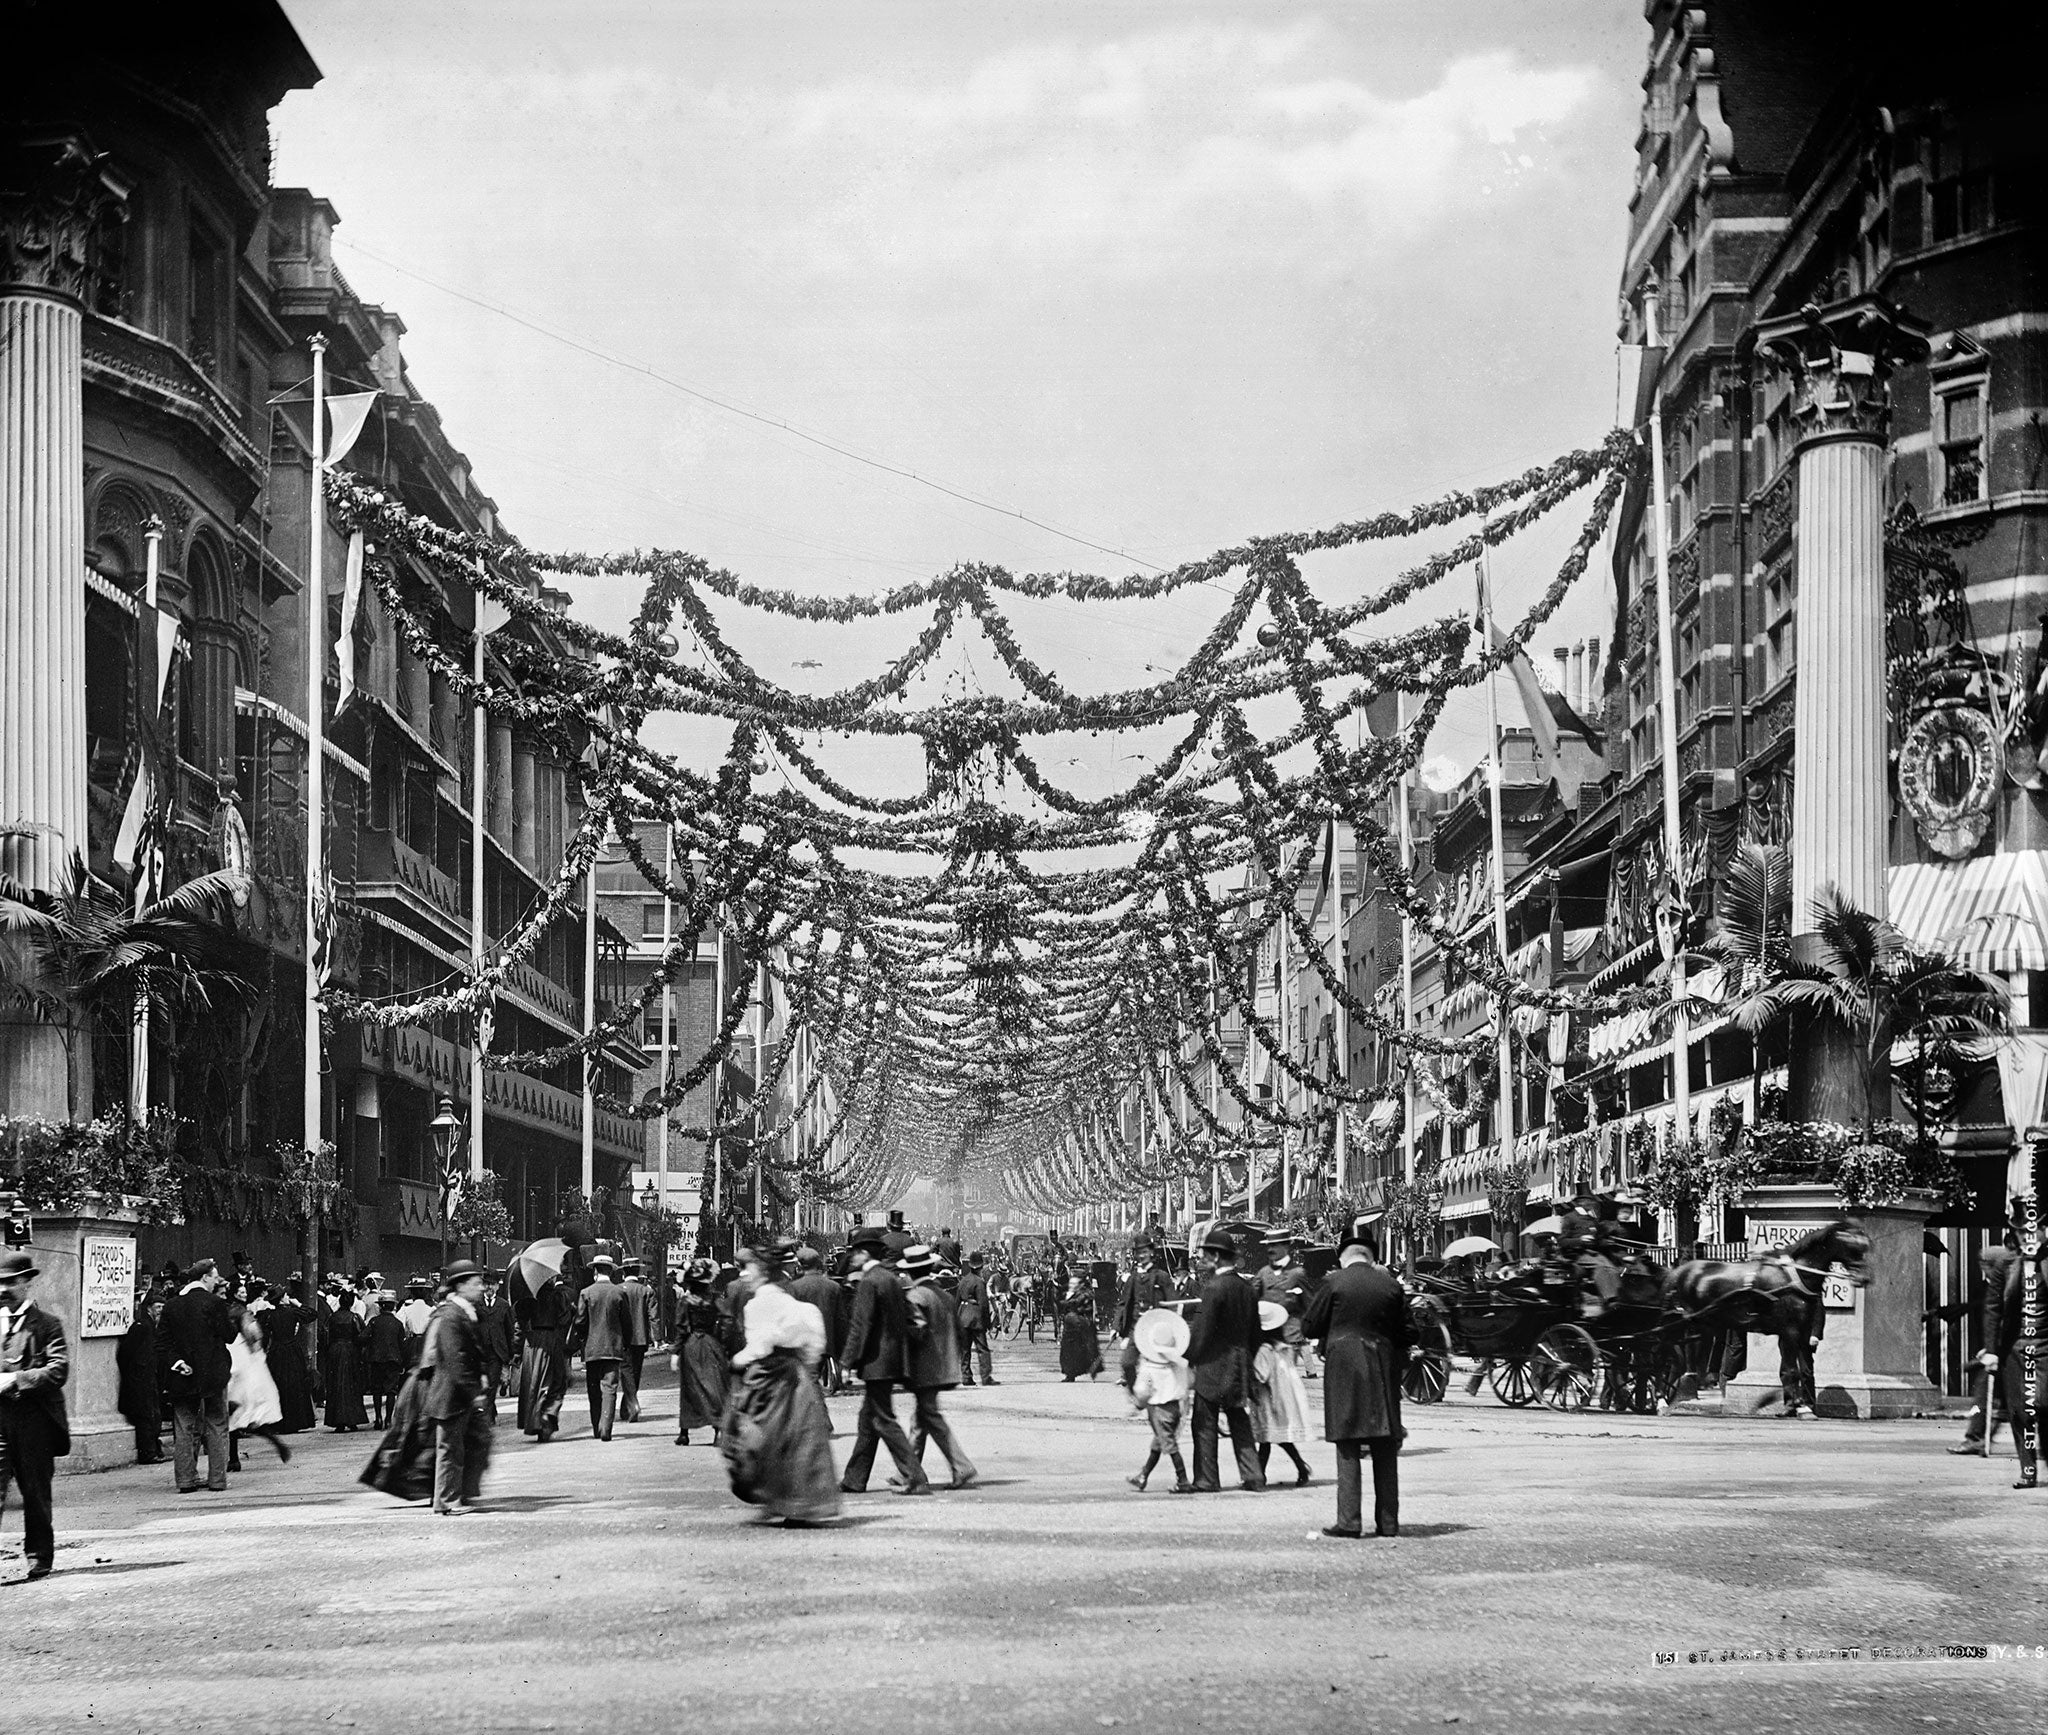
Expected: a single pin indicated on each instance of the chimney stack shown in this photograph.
(1564, 671)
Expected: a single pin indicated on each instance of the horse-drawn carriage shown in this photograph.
(1532, 1333)
(1536, 1343)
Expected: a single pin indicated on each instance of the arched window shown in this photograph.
(209, 674)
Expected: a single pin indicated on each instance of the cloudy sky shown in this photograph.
(1156, 277)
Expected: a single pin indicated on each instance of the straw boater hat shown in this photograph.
(917, 1260)
(1272, 1316)
(1160, 1332)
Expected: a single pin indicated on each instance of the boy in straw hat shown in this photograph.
(1159, 1387)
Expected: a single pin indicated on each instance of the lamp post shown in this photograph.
(446, 1129)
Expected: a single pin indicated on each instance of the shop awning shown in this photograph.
(1530, 965)
(1998, 902)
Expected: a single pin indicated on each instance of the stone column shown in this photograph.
(498, 809)
(53, 196)
(1839, 358)
(525, 797)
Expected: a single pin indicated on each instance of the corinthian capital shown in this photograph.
(1840, 358)
(55, 193)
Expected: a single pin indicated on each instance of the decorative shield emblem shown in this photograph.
(1950, 767)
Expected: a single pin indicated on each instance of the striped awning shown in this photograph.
(1530, 964)
(1992, 911)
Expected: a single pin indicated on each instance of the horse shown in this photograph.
(1776, 1292)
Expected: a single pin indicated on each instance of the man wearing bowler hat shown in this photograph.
(1360, 1317)
(453, 1363)
(34, 1432)
(877, 1349)
(1226, 1337)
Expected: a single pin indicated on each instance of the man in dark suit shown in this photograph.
(812, 1285)
(640, 1329)
(971, 1301)
(195, 1331)
(1226, 1337)
(934, 1361)
(34, 1432)
(498, 1326)
(603, 1331)
(1360, 1317)
(2004, 1357)
(878, 1350)
(453, 1363)
(1149, 1285)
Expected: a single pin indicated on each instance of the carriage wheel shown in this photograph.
(1667, 1372)
(1427, 1376)
(1565, 1366)
(1512, 1383)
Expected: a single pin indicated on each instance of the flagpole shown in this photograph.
(480, 745)
(667, 1001)
(1504, 1058)
(1667, 721)
(589, 1025)
(316, 746)
(1407, 954)
(138, 1036)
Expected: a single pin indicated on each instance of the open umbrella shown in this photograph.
(1468, 1244)
(1545, 1226)
(536, 1267)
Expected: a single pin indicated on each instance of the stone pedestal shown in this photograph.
(100, 1439)
(1868, 1365)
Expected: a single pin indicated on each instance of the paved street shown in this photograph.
(1546, 1560)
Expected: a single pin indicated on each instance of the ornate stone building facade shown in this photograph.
(157, 297)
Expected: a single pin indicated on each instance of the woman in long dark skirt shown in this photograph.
(701, 1358)
(284, 1344)
(776, 1436)
(344, 1367)
(1080, 1343)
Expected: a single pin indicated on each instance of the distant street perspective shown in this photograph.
(1023, 867)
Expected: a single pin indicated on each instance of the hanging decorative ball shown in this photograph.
(666, 644)
(1269, 634)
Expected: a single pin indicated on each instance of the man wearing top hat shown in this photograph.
(971, 1299)
(877, 1349)
(34, 1431)
(1283, 1280)
(1360, 1317)
(603, 1331)
(453, 1363)
(1225, 1338)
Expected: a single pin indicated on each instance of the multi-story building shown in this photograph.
(1830, 240)
(160, 297)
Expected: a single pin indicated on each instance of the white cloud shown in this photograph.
(1123, 158)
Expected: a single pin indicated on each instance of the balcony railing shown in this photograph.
(388, 862)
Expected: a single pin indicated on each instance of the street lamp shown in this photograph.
(446, 1129)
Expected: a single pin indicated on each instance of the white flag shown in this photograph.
(351, 604)
(160, 644)
(346, 417)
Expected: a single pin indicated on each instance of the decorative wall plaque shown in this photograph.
(1950, 768)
